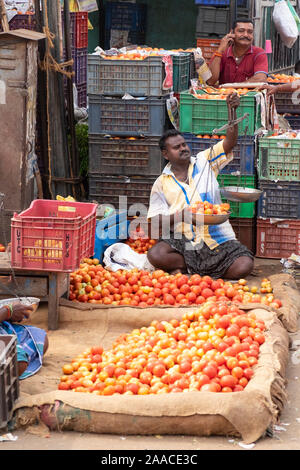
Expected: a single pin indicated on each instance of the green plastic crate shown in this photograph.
(181, 72)
(239, 209)
(200, 116)
(278, 159)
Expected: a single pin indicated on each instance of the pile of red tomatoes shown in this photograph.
(94, 284)
(212, 349)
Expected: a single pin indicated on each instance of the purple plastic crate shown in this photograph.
(79, 57)
(80, 65)
(22, 22)
(218, 3)
(82, 95)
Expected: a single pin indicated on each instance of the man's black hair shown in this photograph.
(297, 66)
(166, 135)
(242, 20)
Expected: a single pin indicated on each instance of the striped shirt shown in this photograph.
(168, 195)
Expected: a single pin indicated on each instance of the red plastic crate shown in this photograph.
(79, 21)
(208, 47)
(81, 28)
(277, 240)
(78, 28)
(53, 235)
(244, 230)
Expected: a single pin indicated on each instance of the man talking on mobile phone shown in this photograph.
(236, 59)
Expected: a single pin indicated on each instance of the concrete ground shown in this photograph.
(286, 434)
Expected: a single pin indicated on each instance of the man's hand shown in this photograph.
(190, 217)
(20, 312)
(233, 100)
(187, 216)
(226, 41)
(271, 89)
(184, 216)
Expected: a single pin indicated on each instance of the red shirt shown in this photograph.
(254, 61)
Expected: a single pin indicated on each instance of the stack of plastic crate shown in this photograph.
(278, 222)
(79, 50)
(124, 154)
(125, 23)
(213, 23)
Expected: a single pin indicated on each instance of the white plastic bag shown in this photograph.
(285, 23)
(203, 71)
(121, 256)
(173, 110)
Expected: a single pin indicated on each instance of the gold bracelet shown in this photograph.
(217, 54)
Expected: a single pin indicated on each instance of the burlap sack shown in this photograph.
(246, 414)
(286, 290)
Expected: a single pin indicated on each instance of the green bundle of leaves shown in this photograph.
(83, 147)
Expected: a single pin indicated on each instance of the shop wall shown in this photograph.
(94, 34)
(171, 23)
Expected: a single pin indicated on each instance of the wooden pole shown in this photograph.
(58, 163)
(232, 12)
(41, 107)
(60, 32)
(74, 165)
(4, 21)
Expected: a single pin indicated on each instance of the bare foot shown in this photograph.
(177, 271)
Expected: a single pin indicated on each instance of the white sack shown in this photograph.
(121, 256)
(285, 23)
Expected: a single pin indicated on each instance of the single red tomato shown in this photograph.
(211, 387)
(228, 381)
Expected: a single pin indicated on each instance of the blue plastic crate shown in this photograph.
(279, 199)
(217, 3)
(125, 16)
(110, 230)
(243, 153)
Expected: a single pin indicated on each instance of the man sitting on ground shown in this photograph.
(191, 247)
